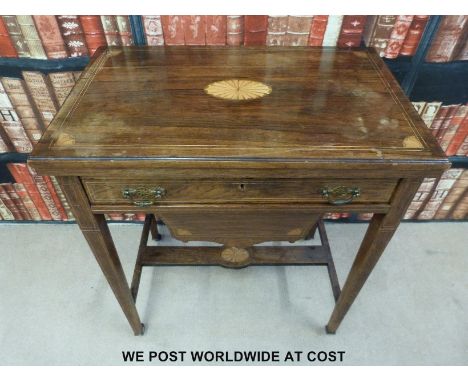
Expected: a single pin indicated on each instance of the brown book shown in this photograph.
(125, 31)
(44, 191)
(62, 198)
(454, 195)
(463, 54)
(463, 149)
(398, 35)
(351, 31)
(452, 110)
(415, 32)
(9, 203)
(7, 49)
(12, 125)
(460, 211)
(16, 36)
(429, 113)
(111, 30)
(93, 32)
(28, 28)
(439, 119)
(62, 83)
(5, 212)
(194, 30)
(23, 105)
(17, 201)
(153, 30)
(317, 30)
(441, 190)
(49, 32)
(215, 30)
(55, 198)
(73, 35)
(27, 201)
(235, 30)
(3, 146)
(22, 175)
(460, 135)
(276, 32)
(297, 33)
(448, 39)
(42, 95)
(420, 198)
(255, 30)
(382, 32)
(453, 127)
(173, 30)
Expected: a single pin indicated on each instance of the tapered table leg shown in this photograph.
(380, 231)
(96, 232)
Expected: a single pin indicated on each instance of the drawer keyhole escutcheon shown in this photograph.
(143, 196)
(340, 195)
(242, 187)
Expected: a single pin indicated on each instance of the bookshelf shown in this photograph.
(420, 80)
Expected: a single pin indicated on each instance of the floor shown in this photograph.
(56, 308)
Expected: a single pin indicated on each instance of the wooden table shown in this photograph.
(237, 146)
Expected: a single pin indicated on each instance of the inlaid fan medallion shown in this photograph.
(238, 90)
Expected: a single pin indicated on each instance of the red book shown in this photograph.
(173, 30)
(235, 30)
(454, 126)
(215, 30)
(45, 194)
(194, 30)
(21, 174)
(463, 150)
(449, 38)
(317, 30)
(49, 32)
(7, 49)
(398, 35)
(415, 32)
(439, 120)
(255, 30)
(452, 110)
(10, 204)
(27, 201)
(351, 31)
(73, 35)
(93, 32)
(460, 135)
(17, 200)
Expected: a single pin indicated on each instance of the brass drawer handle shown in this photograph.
(143, 196)
(341, 195)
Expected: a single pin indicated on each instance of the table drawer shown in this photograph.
(164, 191)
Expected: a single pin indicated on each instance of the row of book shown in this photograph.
(36, 198)
(71, 36)
(448, 123)
(28, 105)
(54, 37)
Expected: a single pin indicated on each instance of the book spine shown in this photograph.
(62, 83)
(115, 216)
(276, 32)
(194, 30)
(125, 31)
(3, 146)
(31, 36)
(9, 203)
(460, 210)
(129, 217)
(415, 32)
(333, 30)
(93, 32)
(215, 30)
(440, 193)
(255, 30)
(55, 198)
(62, 198)
(111, 30)
(463, 150)
(49, 33)
(22, 103)
(12, 125)
(447, 121)
(22, 175)
(45, 194)
(297, 33)
(173, 30)
(5, 212)
(452, 129)
(463, 55)
(27, 201)
(448, 38)
(369, 30)
(16, 36)
(381, 35)
(460, 135)
(317, 30)
(454, 196)
(429, 113)
(23, 212)
(351, 31)
(141, 217)
(419, 107)
(153, 30)
(42, 95)
(73, 35)
(439, 119)
(235, 30)
(420, 197)
(7, 49)
(398, 35)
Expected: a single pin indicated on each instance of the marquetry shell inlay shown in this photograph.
(235, 255)
(238, 90)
